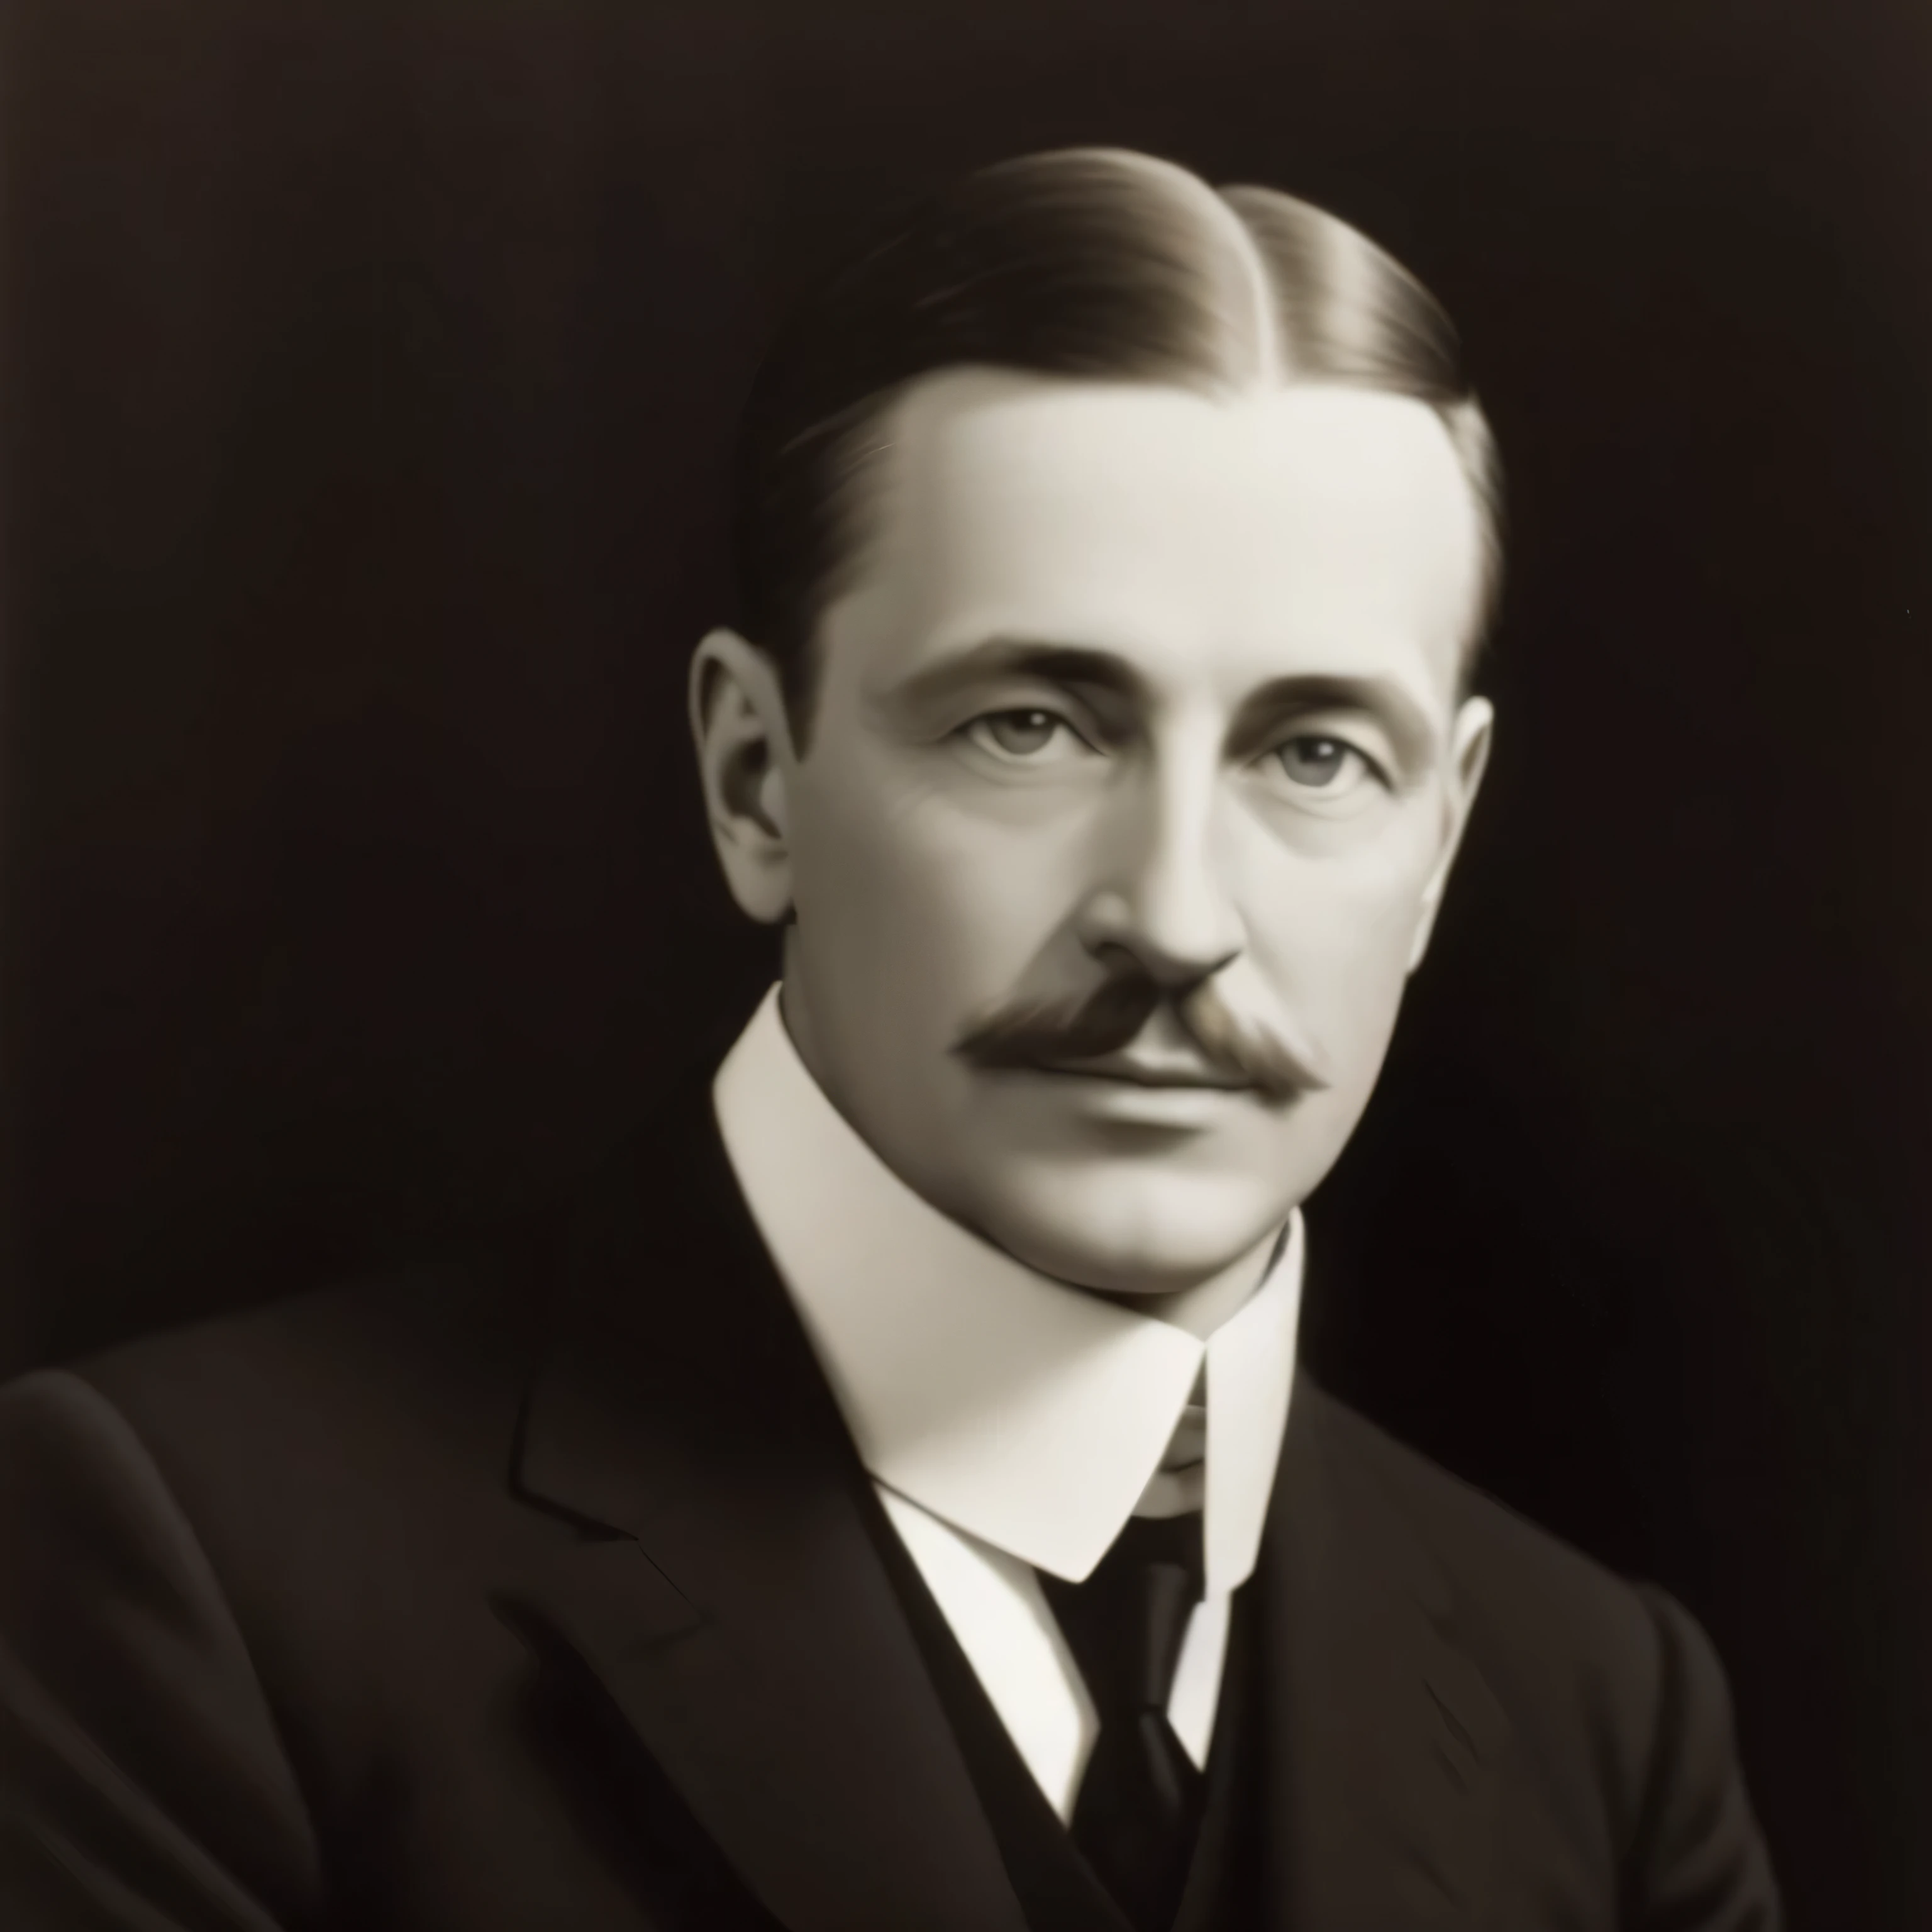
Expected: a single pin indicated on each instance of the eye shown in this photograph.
(1314, 762)
(1026, 737)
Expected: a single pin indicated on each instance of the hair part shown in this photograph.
(1086, 263)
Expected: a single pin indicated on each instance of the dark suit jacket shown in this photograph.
(547, 1593)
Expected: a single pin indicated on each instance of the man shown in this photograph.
(890, 1502)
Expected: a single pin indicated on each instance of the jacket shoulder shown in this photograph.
(1608, 1681)
(1610, 1685)
(421, 1339)
(1574, 1652)
(1498, 1563)
(301, 1436)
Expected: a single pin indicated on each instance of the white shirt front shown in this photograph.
(1011, 1423)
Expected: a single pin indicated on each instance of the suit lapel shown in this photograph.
(1384, 1737)
(740, 1618)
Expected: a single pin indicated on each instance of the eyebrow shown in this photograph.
(1069, 665)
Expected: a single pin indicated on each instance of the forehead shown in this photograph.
(1310, 530)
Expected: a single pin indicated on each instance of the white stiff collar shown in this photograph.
(1029, 1414)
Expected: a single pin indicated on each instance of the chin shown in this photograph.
(1132, 1233)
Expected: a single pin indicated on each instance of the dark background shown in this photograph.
(368, 371)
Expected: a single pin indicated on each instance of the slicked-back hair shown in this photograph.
(1097, 264)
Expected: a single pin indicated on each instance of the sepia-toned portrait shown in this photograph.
(964, 967)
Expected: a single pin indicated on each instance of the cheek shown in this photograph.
(1332, 932)
(900, 881)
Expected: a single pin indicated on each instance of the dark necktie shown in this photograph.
(1138, 1809)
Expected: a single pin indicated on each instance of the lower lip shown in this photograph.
(1126, 1102)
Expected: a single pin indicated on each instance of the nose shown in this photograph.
(1163, 894)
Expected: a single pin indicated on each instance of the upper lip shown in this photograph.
(1149, 1073)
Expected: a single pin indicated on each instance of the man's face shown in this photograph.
(1143, 693)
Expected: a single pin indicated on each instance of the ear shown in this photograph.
(1469, 744)
(743, 736)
